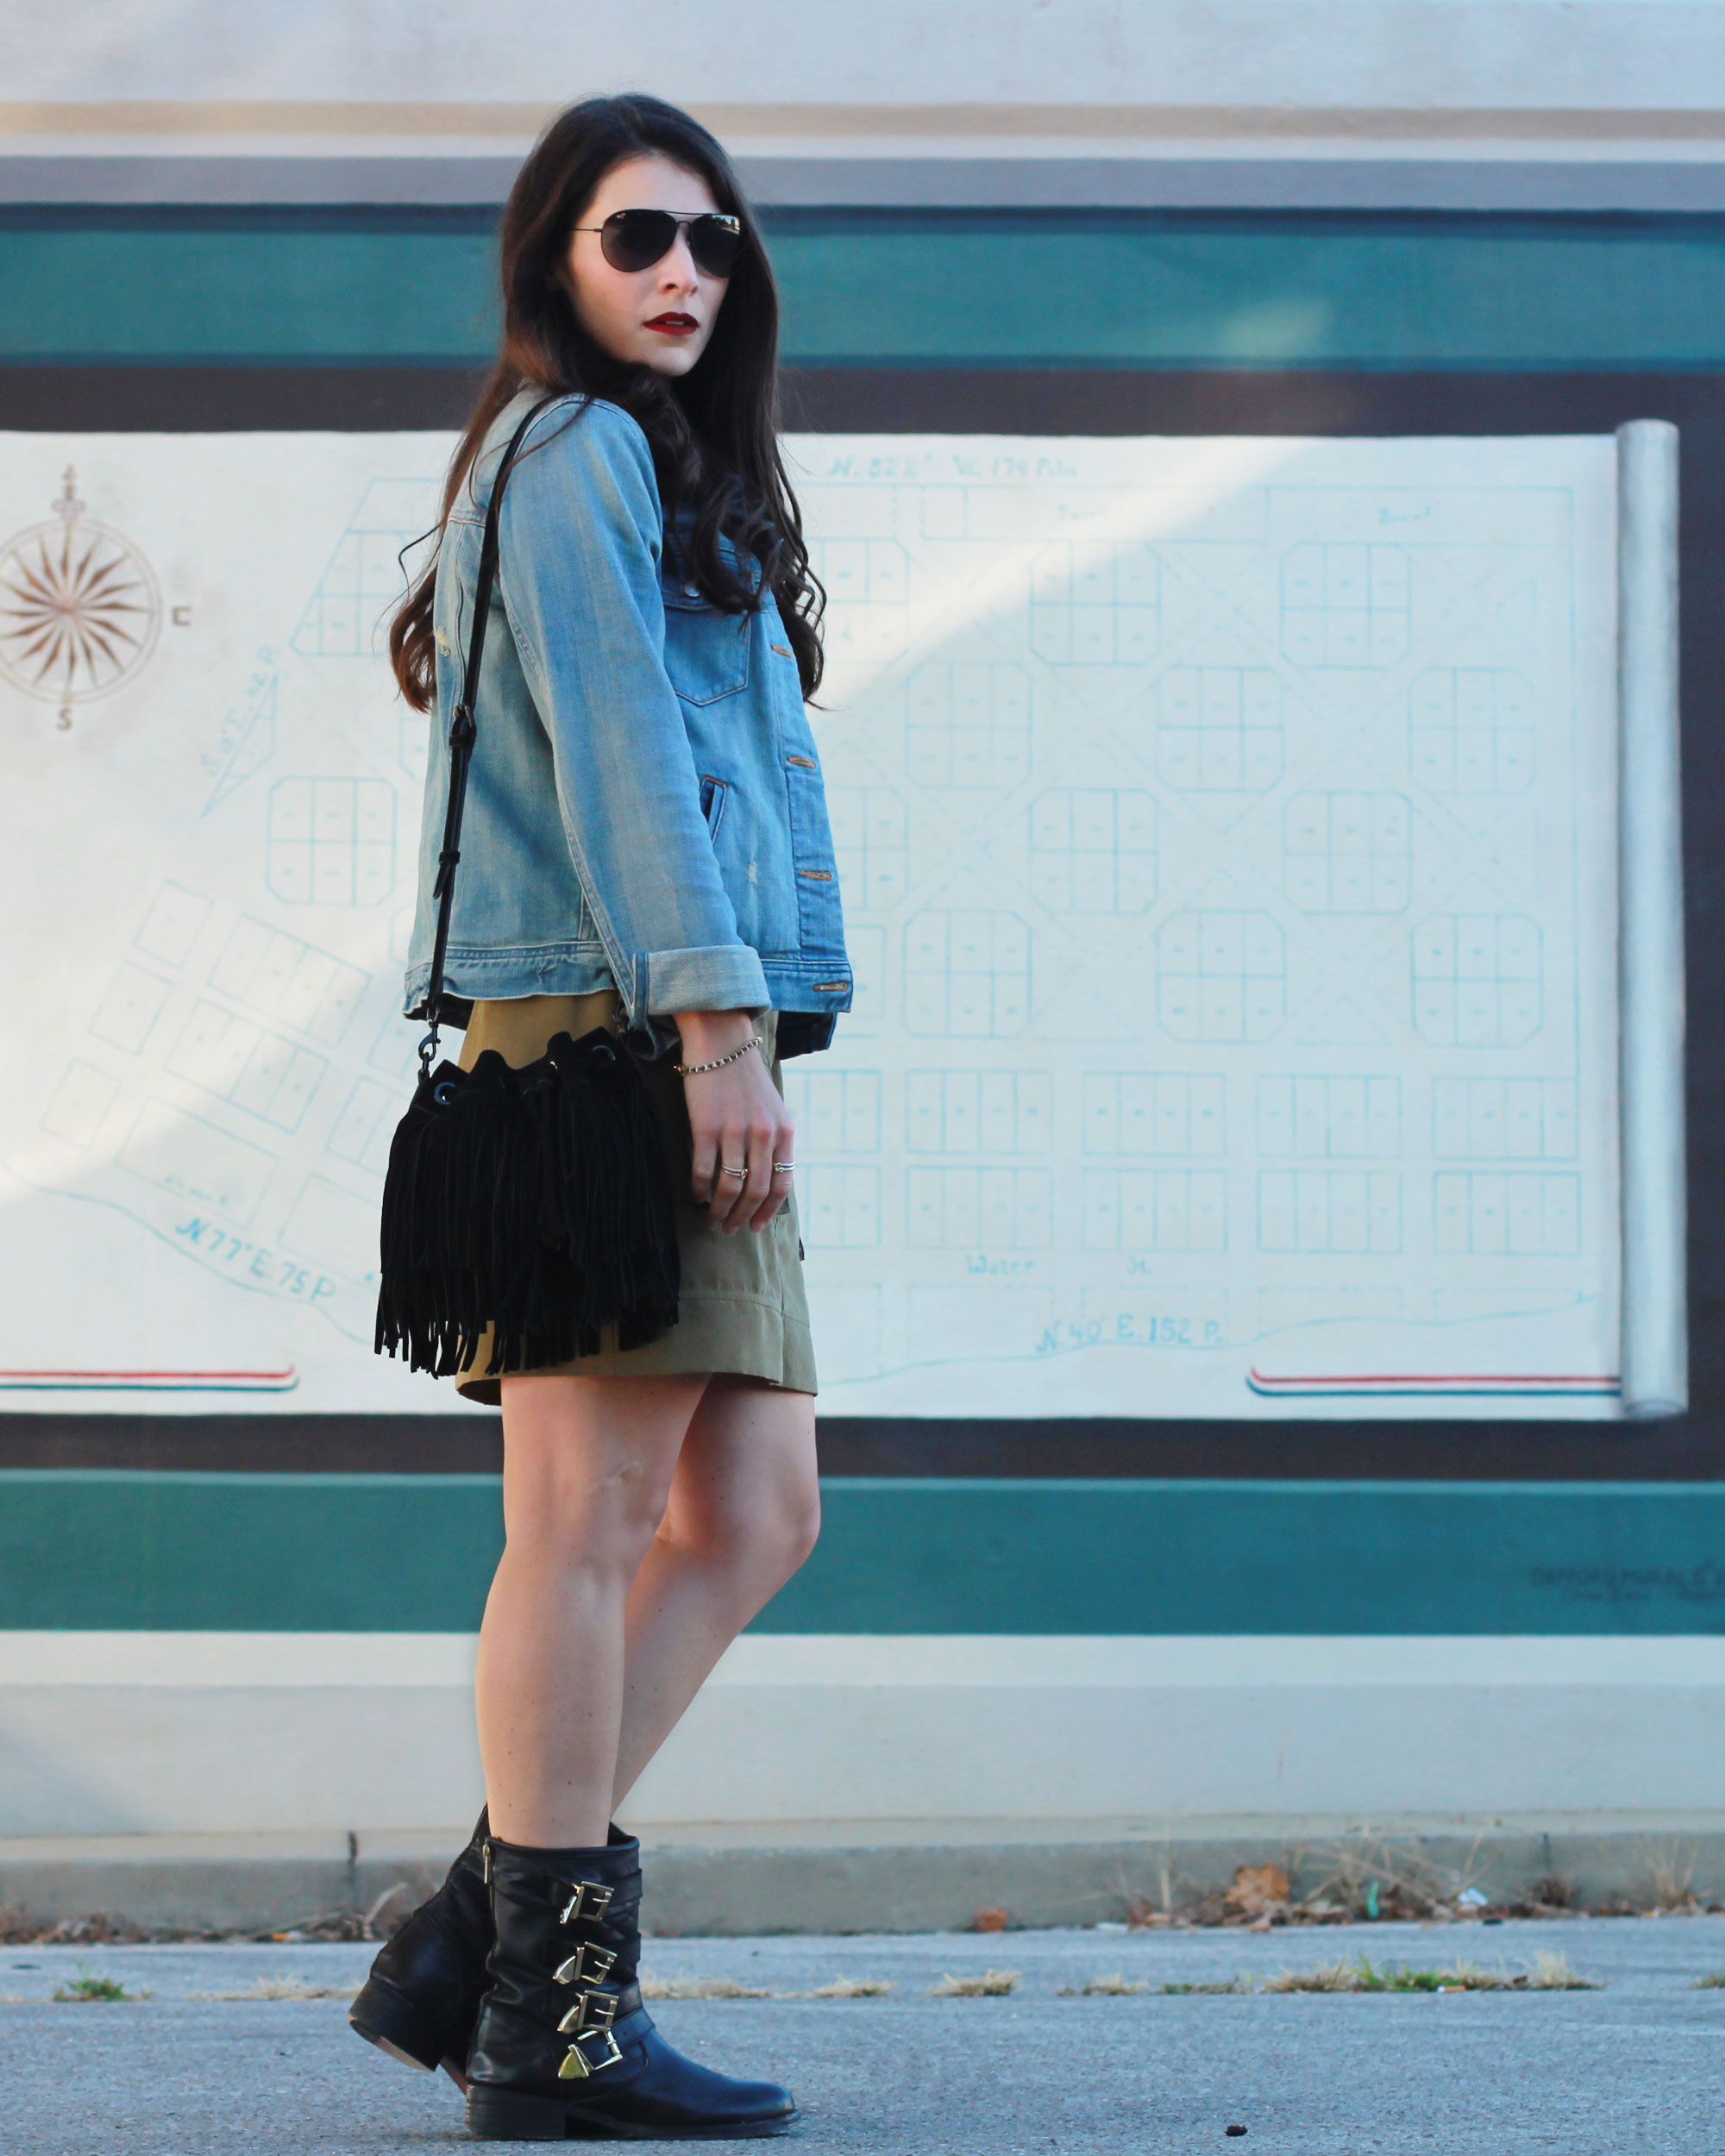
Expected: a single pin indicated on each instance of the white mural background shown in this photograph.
(1227, 833)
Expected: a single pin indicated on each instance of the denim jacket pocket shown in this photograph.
(706, 653)
(712, 797)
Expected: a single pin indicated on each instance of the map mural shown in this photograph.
(1227, 835)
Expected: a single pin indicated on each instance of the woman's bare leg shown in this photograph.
(588, 1463)
(744, 1512)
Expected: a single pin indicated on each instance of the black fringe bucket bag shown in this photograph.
(537, 1201)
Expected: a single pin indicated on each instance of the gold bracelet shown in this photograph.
(695, 1070)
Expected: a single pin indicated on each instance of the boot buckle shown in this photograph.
(586, 1904)
(587, 1964)
(592, 2010)
(577, 2065)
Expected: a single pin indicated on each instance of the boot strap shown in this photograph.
(594, 2050)
(576, 1901)
(593, 2012)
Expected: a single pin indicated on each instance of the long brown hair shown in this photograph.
(714, 434)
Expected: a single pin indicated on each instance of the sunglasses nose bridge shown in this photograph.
(678, 263)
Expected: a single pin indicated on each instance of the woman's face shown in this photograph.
(660, 317)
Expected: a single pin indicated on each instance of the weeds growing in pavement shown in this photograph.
(993, 1983)
(1111, 1987)
(83, 1989)
(1194, 1990)
(1714, 1981)
(1328, 1975)
(852, 1987)
(1550, 1972)
(1668, 1875)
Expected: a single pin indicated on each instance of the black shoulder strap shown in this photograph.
(462, 734)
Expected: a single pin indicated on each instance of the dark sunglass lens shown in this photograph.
(636, 238)
(716, 241)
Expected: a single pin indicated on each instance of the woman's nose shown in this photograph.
(678, 271)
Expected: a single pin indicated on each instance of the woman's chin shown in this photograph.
(669, 359)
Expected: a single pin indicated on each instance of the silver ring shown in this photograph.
(784, 1167)
(741, 1174)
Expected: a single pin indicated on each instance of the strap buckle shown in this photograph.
(587, 1964)
(586, 1904)
(577, 2065)
(592, 2010)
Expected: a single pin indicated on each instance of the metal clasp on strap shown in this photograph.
(592, 2010)
(586, 1904)
(587, 1964)
(577, 2065)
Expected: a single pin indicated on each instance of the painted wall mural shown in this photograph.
(1228, 836)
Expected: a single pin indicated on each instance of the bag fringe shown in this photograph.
(536, 1202)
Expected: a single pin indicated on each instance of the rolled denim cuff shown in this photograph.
(716, 977)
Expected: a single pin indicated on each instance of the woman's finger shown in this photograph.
(757, 1140)
(783, 1166)
(730, 1185)
(704, 1140)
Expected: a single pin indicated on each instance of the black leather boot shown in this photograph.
(422, 1998)
(564, 2049)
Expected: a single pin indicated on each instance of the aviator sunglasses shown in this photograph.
(637, 239)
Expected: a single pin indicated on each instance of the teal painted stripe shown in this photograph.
(246, 296)
(1105, 290)
(368, 1553)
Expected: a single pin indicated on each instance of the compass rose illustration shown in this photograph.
(80, 609)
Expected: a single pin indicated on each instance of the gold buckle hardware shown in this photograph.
(586, 1904)
(592, 2010)
(587, 1964)
(577, 2066)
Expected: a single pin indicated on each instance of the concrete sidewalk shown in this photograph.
(1639, 2064)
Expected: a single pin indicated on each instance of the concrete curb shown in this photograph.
(895, 1883)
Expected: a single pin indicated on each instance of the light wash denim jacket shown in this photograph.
(645, 805)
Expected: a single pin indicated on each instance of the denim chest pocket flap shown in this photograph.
(706, 653)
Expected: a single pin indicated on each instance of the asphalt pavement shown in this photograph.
(209, 2064)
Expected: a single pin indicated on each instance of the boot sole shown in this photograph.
(383, 2017)
(499, 2115)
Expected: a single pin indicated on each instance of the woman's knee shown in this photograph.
(761, 1525)
(583, 1518)
(799, 1525)
(588, 1467)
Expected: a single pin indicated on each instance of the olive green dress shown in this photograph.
(742, 1309)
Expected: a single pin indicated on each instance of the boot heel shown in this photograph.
(383, 2017)
(499, 2115)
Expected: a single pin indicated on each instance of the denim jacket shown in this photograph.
(645, 805)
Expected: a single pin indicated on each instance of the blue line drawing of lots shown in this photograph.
(1221, 976)
(1093, 849)
(967, 973)
(331, 841)
(1477, 980)
(1349, 853)
(1345, 605)
(1218, 730)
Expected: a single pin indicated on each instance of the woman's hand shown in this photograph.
(737, 1119)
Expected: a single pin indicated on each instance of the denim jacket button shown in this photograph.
(691, 591)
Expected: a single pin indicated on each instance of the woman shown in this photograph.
(646, 846)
